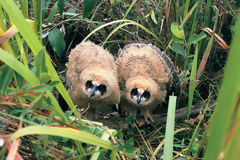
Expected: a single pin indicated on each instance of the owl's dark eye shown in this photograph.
(146, 94)
(102, 88)
(89, 84)
(134, 92)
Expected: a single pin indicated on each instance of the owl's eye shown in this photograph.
(134, 92)
(146, 94)
(102, 88)
(89, 84)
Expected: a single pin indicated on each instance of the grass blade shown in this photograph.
(231, 9)
(5, 78)
(129, 9)
(209, 46)
(221, 120)
(192, 81)
(29, 76)
(168, 146)
(30, 37)
(121, 25)
(13, 63)
(78, 135)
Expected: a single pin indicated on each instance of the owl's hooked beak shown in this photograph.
(139, 99)
(92, 92)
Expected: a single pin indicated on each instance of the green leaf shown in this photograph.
(74, 134)
(61, 5)
(44, 78)
(13, 63)
(88, 6)
(40, 88)
(52, 13)
(222, 122)
(232, 151)
(19, 80)
(40, 63)
(177, 49)
(129, 9)
(195, 38)
(153, 17)
(57, 42)
(177, 30)
(30, 37)
(178, 41)
(192, 81)
(169, 133)
(45, 4)
(5, 78)
(53, 83)
(71, 12)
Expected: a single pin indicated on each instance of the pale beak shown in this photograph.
(138, 99)
(92, 93)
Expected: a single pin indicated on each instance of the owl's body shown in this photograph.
(146, 76)
(92, 79)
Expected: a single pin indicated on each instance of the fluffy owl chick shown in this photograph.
(92, 78)
(146, 76)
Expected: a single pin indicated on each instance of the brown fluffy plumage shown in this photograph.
(146, 76)
(92, 78)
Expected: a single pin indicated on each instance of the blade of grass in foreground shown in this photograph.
(29, 76)
(71, 133)
(31, 38)
(222, 119)
(168, 146)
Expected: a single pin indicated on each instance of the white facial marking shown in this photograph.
(140, 91)
(92, 90)
(139, 94)
(135, 98)
(95, 83)
(89, 90)
(97, 93)
(143, 100)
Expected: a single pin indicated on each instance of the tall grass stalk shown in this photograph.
(207, 21)
(223, 117)
(196, 129)
(129, 8)
(169, 134)
(209, 45)
(186, 6)
(230, 7)
(192, 81)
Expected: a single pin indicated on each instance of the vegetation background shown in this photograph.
(201, 37)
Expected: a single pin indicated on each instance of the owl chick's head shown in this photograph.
(96, 83)
(140, 96)
(140, 90)
(94, 88)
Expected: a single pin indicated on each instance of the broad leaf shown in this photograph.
(177, 49)
(88, 6)
(52, 13)
(177, 30)
(61, 5)
(194, 38)
(57, 42)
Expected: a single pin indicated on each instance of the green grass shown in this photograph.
(30, 83)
